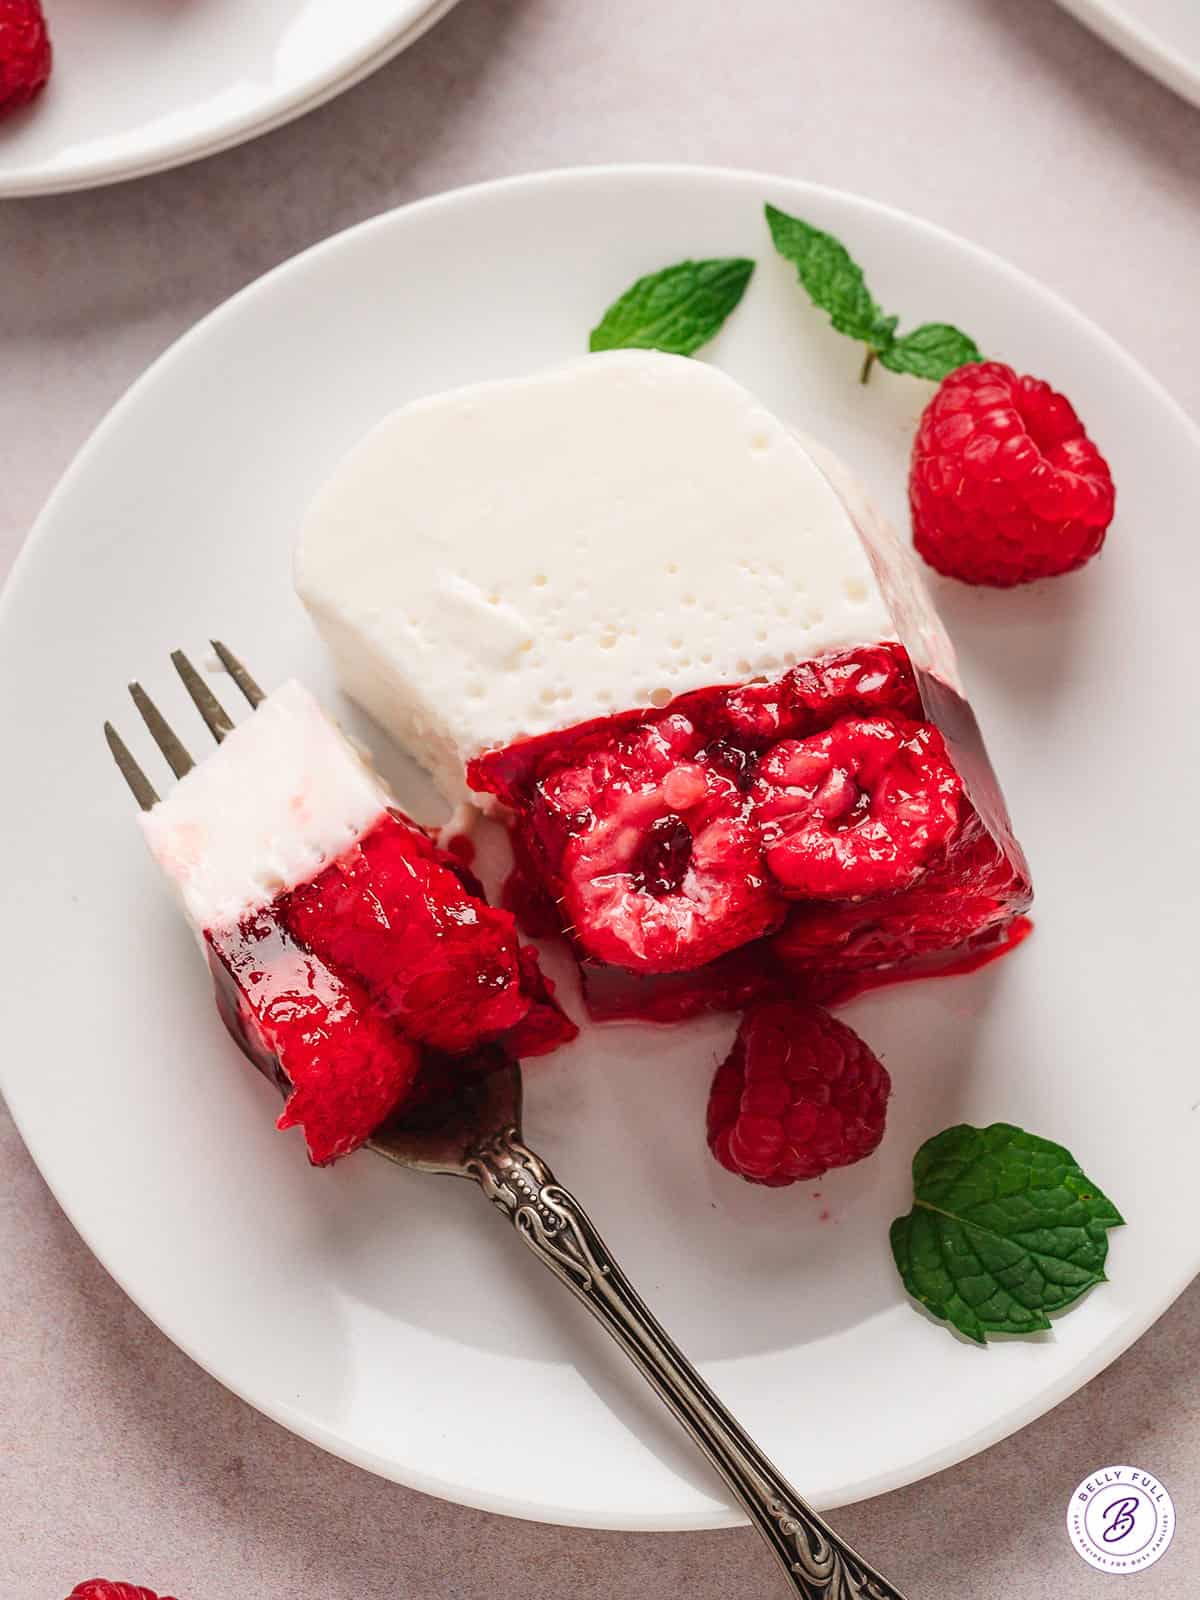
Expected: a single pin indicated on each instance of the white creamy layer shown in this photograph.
(278, 799)
(516, 557)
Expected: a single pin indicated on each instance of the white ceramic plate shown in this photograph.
(1161, 36)
(393, 1318)
(139, 87)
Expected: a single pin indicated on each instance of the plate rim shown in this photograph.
(1143, 46)
(26, 184)
(1044, 1400)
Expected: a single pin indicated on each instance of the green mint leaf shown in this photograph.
(930, 351)
(832, 278)
(1005, 1228)
(676, 310)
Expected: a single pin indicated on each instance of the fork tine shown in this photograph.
(139, 783)
(161, 732)
(237, 672)
(205, 701)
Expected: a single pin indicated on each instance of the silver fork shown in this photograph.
(481, 1140)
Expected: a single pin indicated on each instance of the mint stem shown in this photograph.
(868, 363)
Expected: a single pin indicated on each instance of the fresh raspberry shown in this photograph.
(856, 810)
(659, 865)
(25, 54)
(1005, 485)
(106, 1589)
(799, 1093)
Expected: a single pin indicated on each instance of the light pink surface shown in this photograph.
(1006, 122)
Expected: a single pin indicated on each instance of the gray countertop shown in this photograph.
(1002, 119)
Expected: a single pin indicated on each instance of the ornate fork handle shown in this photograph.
(819, 1565)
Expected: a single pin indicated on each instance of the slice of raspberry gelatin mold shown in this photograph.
(672, 643)
(349, 952)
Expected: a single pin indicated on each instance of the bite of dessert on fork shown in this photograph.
(354, 959)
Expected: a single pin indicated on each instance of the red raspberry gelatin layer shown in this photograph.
(345, 985)
(820, 833)
(394, 913)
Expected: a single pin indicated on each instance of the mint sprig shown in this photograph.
(834, 281)
(1005, 1228)
(676, 310)
(930, 351)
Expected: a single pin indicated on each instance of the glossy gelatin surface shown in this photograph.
(345, 986)
(820, 833)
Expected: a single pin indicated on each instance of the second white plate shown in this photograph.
(392, 1318)
(140, 88)
(1161, 36)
